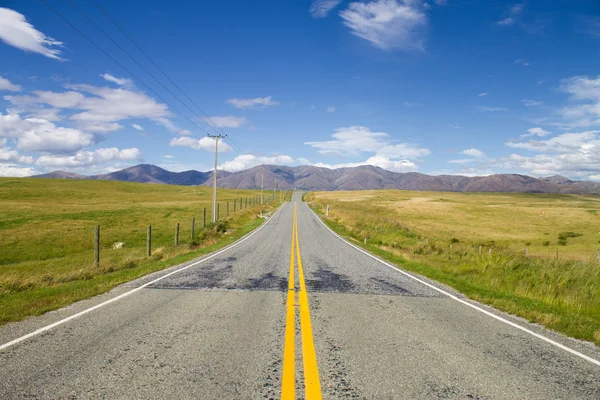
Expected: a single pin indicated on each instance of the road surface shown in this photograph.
(234, 327)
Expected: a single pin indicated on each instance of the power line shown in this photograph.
(121, 65)
(156, 65)
(139, 65)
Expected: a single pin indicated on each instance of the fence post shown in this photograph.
(149, 241)
(227, 210)
(193, 226)
(96, 245)
(234, 205)
(479, 250)
(204, 223)
(177, 234)
(365, 240)
(526, 251)
(489, 252)
(327, 211)
(217, 211)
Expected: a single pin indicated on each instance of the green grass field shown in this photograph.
(47, 231)
(439, 235)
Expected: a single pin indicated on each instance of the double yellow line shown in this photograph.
(312, 384)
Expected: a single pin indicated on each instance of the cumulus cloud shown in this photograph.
(33, 134)
(87, 158)
(8, 155)
(586, 92)
(377, 161)
(257, 102)
(228, 121)
(387, 24)
(16, 170)
(245, 161)
(205, 143)
(355, 140)
(575, 154)
(119, 81)
(477, 156)
(100, 106)
(320, 8)
(531, 103)
(16, 31)
(536, 132)
(5, 84)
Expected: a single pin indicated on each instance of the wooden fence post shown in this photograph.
(227, 214)
(193, 226)
(97, 245)
(177, 234)
(217, 211)
(204, 220)
(234, 205)
(149, 241)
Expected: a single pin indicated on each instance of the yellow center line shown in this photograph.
(312, 383)
(288, 380)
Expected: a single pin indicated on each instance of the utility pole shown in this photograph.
(214, 208)
(262, 185)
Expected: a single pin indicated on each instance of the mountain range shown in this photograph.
(354, 178)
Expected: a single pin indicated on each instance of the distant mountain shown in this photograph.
(356, 178)
(144, 173)
(61, 175)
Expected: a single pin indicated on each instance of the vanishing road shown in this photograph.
(289, 312)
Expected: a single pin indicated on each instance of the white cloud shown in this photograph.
(119, 81)
(168, 156)
(320, 8)
(205, 143)
(104, 106)
(536, 132)
(474, 153)
(5, 84)
(377, 161)
(138, 127)
(99, 127)
(33, 134)
(12, 156)
(16, 171)
(356, 140)
(17, 32)
(492, 109)
(531, 103)
(330, 109)
(522, 62)
(482, 94)
(477, 156)
(257, 102)
(586, 92)
(87, 158)
(184, 132)
(387, 24)
(228, 121)
(513, 15)
(245, 161)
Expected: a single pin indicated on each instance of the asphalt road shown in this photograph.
(219, 330)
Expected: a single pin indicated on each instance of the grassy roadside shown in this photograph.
(53, 266)
(562, 294)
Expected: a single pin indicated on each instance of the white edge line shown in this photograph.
(453, 297)
(97, 306)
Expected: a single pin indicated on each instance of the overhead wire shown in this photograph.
(158, 67)
(121, 65)
(140, 65)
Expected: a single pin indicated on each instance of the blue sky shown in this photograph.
(440, 86)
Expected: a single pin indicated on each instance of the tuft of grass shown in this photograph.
(561, 293)
(47, 231)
